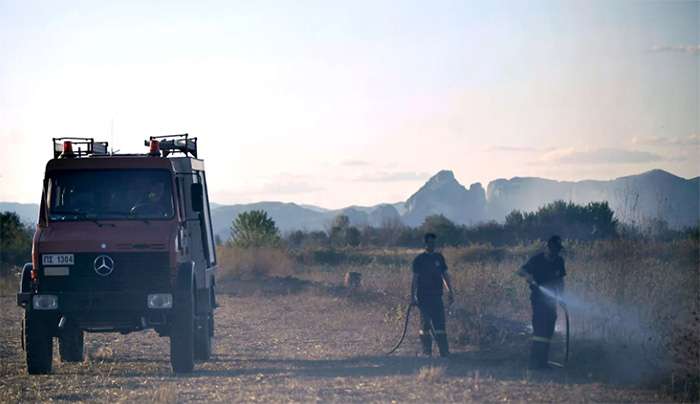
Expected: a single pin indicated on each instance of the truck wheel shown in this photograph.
(182, 335)
(38, 342)
(25, 283)
(70, 345)
(202, 339)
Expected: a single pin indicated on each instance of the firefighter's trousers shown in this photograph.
(432, 320)
(544, 317)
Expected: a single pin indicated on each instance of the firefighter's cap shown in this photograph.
(555, 242)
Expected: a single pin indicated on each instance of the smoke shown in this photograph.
(632, 345)
(609, 318)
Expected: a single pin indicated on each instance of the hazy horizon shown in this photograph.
(484, 184)
(356, 104)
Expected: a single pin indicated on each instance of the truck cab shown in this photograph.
(124, 243)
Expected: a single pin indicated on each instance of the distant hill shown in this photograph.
(635, 199)
(442, 194)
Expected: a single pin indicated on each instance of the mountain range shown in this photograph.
(655, 194)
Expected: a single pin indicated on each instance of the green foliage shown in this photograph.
(444, 228)
(15, 242)
(254, 229)
(580, 222)
(343, 234)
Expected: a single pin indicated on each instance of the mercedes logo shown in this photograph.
(104, 265)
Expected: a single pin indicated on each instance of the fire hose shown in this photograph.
(405, 327)
(567, 337)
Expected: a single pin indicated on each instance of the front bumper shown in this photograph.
(105, 311)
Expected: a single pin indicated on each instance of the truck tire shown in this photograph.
(25, 282)
(182, 334)
(202, 338)
(70, 345)
(38, 341)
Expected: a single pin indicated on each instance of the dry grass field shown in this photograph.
(293, 334)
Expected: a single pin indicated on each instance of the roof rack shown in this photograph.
(175, 144)
(79, 147)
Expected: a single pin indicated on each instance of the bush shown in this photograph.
(253, 263)
(254, 229)
(15, 243)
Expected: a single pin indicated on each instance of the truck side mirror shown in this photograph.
(197, 194)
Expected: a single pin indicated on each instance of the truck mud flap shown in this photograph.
(23, 299)
(203, 301)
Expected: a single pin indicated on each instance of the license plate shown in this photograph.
(57, 259)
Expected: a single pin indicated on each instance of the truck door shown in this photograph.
(206, 232)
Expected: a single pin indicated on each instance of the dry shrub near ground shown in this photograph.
(99, 353)
(431, 374)
(9, 282)
(165, 395)
(253, 263)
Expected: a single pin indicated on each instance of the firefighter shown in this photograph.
(546, 270)
(154, 203)
(429, 276)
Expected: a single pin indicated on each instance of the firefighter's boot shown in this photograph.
(427, 342)
(441, 339)
(539, 354)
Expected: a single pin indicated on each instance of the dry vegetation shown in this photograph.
(633, 303)
(287, 331)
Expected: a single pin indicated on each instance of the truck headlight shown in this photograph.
(45, 302)
(160, 301)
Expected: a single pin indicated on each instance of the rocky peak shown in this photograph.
(443, 194)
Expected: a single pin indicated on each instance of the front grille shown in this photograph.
(140, 271)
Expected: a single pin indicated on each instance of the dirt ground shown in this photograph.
(298, 347)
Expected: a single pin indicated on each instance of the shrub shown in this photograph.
(253, 263)
(254, 229)
(431, 374)
(15, 242)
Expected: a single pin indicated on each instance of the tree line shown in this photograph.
(593, 221)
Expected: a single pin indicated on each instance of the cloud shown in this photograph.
(354, 163)
(597, 156)
(288, 187)
(690, 140)
(515, 149)
(393, 177)
(691, 49)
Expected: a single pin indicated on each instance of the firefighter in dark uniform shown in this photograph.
(429, 275)
(544, 270)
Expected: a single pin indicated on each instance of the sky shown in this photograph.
(355, 103)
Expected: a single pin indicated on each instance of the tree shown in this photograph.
(447, 232)
(353, 236)
(15, 241)
(254, 229)
(515, 219)
(338, 230)
(581, 222)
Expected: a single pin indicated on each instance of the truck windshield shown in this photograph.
(110, 194)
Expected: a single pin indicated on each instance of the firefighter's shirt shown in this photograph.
(429, 268)
(547, 272)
